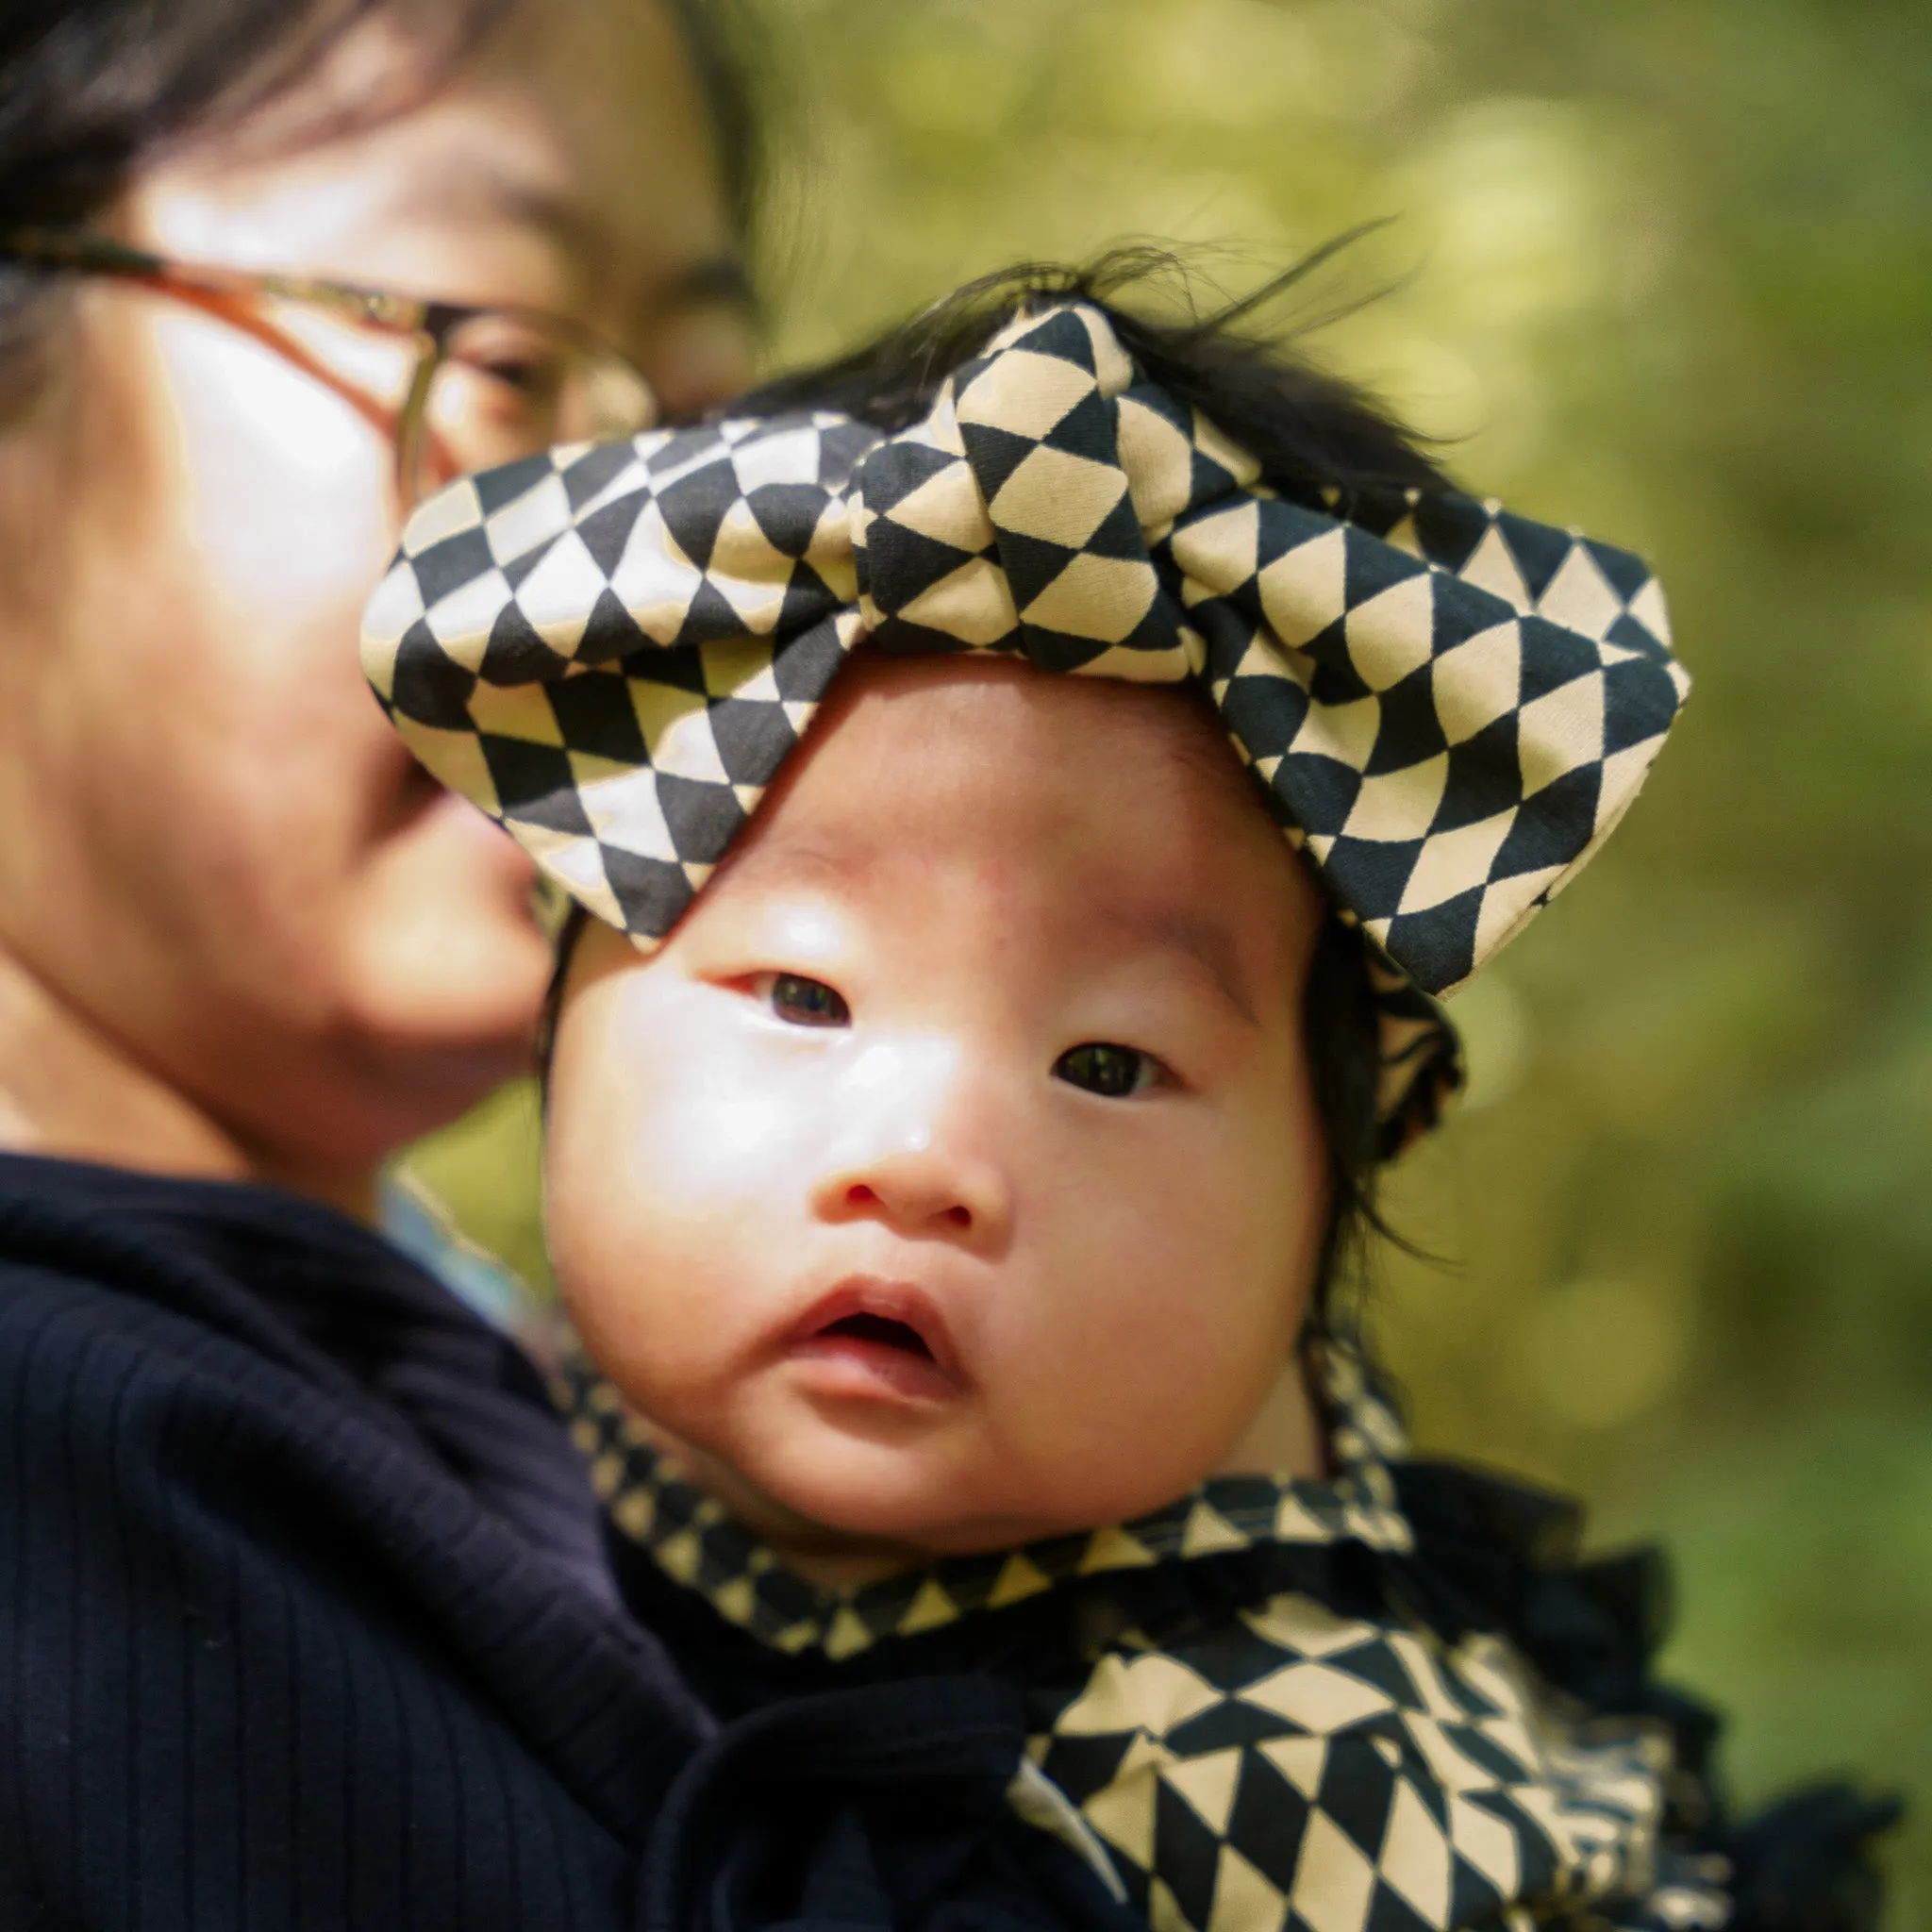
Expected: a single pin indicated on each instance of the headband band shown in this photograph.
(612, 649)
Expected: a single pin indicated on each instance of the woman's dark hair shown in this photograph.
(725, 46)
(95, 91)
(1314, 436)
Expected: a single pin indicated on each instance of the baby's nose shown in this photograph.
(917, 1194)
(915, 1153)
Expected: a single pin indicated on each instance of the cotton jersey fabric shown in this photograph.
(1386, 1701)
(304, 1617)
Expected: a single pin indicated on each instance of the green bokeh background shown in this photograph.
(1661, 268)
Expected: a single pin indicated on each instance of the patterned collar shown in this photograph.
(696, 1544)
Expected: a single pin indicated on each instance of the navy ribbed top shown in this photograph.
(304, 1621)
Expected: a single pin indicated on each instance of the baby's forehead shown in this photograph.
(1000, 740)
(1121, 790)
(995, 722)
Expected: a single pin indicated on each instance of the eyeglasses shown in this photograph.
(454, 387)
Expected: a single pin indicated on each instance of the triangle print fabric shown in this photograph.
(613, 649)
(1300, 1756)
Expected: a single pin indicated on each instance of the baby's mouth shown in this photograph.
(875, 1341)
(882, 1330)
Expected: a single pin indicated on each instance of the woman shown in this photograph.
(302, 1612)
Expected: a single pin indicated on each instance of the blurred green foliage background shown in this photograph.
(1661, 268)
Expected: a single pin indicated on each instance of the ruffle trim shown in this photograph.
(699, 1546)
(1452, 1548)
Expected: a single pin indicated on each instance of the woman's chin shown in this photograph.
(454, 967)
(452, 1023)
(478, 1040)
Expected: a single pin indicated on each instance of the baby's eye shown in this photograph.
(1100, 1067)
(806, 1001)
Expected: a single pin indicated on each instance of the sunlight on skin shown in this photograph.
(249, 939)
(323, 450)
(1105, 1288)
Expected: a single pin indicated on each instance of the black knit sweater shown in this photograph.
(304, 1621)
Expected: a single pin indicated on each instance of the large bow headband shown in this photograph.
(612, 648)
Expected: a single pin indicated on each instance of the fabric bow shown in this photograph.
(612, 649)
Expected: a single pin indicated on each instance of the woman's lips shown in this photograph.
(873, 1341)
(413, 795)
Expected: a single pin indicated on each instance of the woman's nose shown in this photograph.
(914, 1162)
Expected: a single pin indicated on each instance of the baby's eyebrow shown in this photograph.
(776, 857)
(1204, 942)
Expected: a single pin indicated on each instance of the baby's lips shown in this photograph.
(884, 1316)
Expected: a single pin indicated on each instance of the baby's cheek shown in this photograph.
(663, 1222)
(725, 1128)
(1170, 1329)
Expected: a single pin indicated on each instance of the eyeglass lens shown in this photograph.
(505, 387)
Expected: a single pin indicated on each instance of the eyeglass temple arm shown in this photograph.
(224, 292)
(102, 255)
(384, 421)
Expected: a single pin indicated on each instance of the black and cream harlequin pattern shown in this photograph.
(613, 649)
(1287, 1765)
(696, 1542)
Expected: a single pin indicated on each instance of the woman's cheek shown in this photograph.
(286, 489)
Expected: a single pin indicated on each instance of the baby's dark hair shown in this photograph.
(1318, 439)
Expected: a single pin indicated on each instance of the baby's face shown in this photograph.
(951, 1176)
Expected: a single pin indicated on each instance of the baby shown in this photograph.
(968, 1076)
(951, 1178)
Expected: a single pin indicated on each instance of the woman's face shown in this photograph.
(218, 854)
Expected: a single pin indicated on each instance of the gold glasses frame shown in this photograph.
(228, 293)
